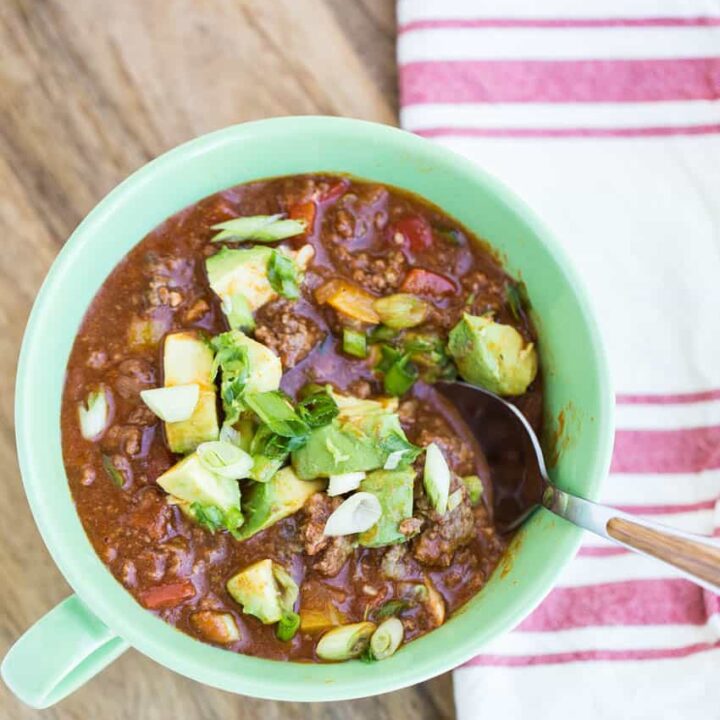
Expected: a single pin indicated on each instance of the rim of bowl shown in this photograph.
(248, 675)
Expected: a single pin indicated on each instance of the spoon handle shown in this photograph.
(697, 557)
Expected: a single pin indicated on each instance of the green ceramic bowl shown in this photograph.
(83, 634)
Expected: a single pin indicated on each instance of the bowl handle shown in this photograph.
(59, 653)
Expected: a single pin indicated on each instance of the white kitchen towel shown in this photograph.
(605, 118)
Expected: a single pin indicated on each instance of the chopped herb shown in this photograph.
(517, 298)
(392, 608)
(470, 299)
(354, 343)
(232, 358)
(212, 518)
(283, 275)
(260, 228)
(367, 656)
(113, 473)
(288, 626)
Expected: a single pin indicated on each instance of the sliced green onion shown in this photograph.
(288, 626)
(238, 312)
(401, 310)
(172, 404)
(354, 343)
(225, 459)
(113, 473)
(436, 478)
(283, 275)
(260, 228)
(400, 377)
(357, 514)
(387, 638)
(454, 499)
(345, 483)
(276, 411)
(94, 417)
(474, 486)
(318, 409)
(381, 334)
(393, 459)
(345, 642)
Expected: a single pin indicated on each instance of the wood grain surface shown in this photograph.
(89, 91)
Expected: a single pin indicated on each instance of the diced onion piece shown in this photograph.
(94, 417)
(348, 299)
(473, 484)
(345, 642)
(387, 638)
(345, 483)
(357, 514)
(393, 459)
(401, 310)
(436, 478)
(225, 459)
(172, 404)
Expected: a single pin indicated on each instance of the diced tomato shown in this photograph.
(415, 231)
(305, 211)
(424, 282)
(167, 596)
(333, 191)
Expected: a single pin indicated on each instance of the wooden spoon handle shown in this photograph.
(695, 556)
(692, 556)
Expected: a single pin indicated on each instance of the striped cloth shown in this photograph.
(605, 117)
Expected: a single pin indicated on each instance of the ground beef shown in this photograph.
(446, 533)
(289, 335)
(332, 559)
(382, 275)
(331, 552)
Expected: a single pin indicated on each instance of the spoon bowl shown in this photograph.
(509, 441)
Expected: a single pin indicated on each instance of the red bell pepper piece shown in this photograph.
(423, 282)
(415, 230)
(167, 596)
(333, 191)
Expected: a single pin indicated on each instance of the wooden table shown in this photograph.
(89, 91)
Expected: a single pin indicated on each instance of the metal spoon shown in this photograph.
(509, 442)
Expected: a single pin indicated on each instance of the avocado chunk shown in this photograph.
(191, 482)
(492, 355)
(187, 360)
(360, 439)
(242, 272)
(394, 490)
(266, 503)
(264, 589)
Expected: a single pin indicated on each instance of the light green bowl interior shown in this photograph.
(576, 378)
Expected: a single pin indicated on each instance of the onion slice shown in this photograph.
(357, 514)
(436, 478)
(345, 483)
(95, 415)
(172, 404)
(387, 638)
